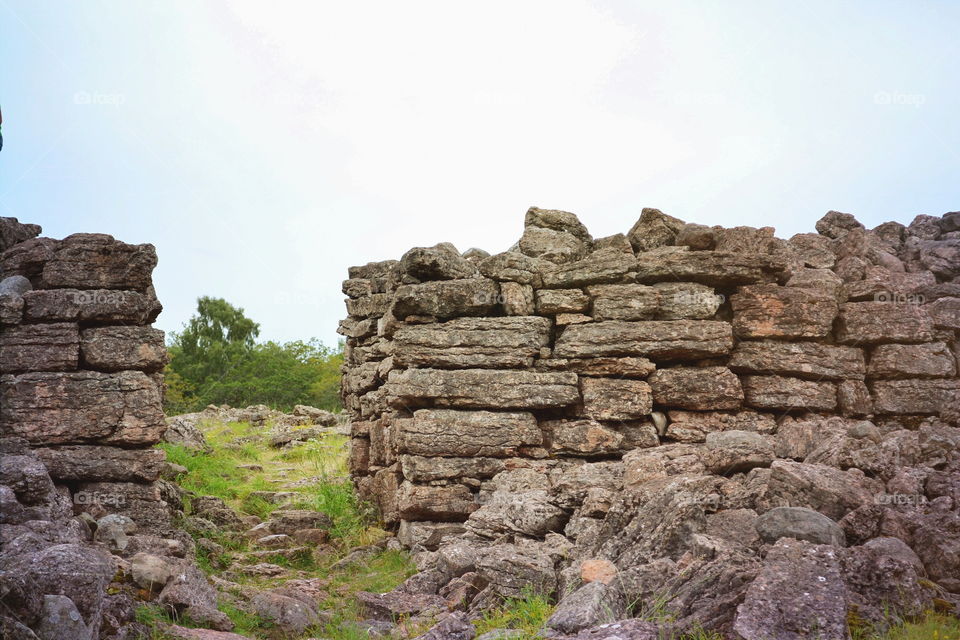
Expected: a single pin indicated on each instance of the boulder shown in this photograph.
(799, 523)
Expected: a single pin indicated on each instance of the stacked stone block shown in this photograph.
(81, 368)
(568, 352)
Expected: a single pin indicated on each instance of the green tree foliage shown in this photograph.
(217, 360)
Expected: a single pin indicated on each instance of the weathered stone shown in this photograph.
(624, 301)
(453, 626)
(447, 298)
(778, 392)
(428, 469)
(654, 229)
(288, 615)
(552, 245)
(732, 451)
(643, 465)
(799, 523)
(150, 572)
(517, 299)
(370, 306)
(875, 322)
(771, 311)
(119, 348)
(835, 224)
(97, 261)
(513, 266)
(28, 258)
(615, 399)
(853, 398)
(820, 279)
(511, 569)
(687, 300)
(106, 464)
(598, 570)
(668, 339)
(593, 604)
(42, 347)
(449, 503)
(713, 268)
(941, 257)
(478, 388)
(529, 513)
(702, 388)
(932, 360)
(826, 489)
(627, 367)
(553, 301)
(472, 342)
(815, 251)
(27, 477)
(693, 426)
(882, 285)
(380, 269)
(799, 594)
(289, 521)
(96, 305)
(64, 408)
(914, 395)
(601, 266)
(800, 359)
(468, 433)
(945, 313)
(698, 237)
(582, 438)
(440, 262)
(12, 232)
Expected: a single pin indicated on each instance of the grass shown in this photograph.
(526, 614)
(930, 626)
(317, 469)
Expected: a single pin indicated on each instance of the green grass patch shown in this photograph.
(526, 614)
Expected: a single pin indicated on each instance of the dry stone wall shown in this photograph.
(80, 367)
(527, 393)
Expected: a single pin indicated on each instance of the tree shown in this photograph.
(216, 360)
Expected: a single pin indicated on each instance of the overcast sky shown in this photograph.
(264, 147)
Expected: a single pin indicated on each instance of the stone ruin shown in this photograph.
(82, 499)
(712, 427)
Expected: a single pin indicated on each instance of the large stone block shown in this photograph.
(91, 306)
(481, 389)
(381, 269)
(666, 339)
(447, 432)
(513, 266)
(945, 313)
(97, 261)
(119, 348)
(701, 388)
(553, 301)
(451, 503)
(779, 392)
(626, 367)
(102, 464)
(142, 503)
(800, 359)
(39, 347)
(624, 302)
(687, 300)
(693, 426)
(440, 262)
(447, 298)
(370, 306)
(771, 311)
(603, 265)
(713, 268)
(914, 396)
(82, 407)
(472, 342)
(932, 360)
(431, 468)
(876, 322)
(615, 399)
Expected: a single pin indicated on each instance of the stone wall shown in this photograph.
(80, 367)
(726, 349)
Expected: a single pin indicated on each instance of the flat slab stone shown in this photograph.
(800, 359)
(667, 339)
(472, 342)
(481, 389)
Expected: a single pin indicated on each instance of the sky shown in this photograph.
(264, 147)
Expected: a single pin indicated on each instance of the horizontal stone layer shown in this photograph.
(447, 298)
(448, 432)
(932, 360)
(481, 389)
(779, 392)
(877, 322)
(914, 396)
(771, 311)
(800, 359)
(82, 407)
(40, 347)
(120, 348)
(667, 339)
(102, 464)
(714, 268)
(94, 306)
(701, 388)
(615, 399)
(472, 342)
